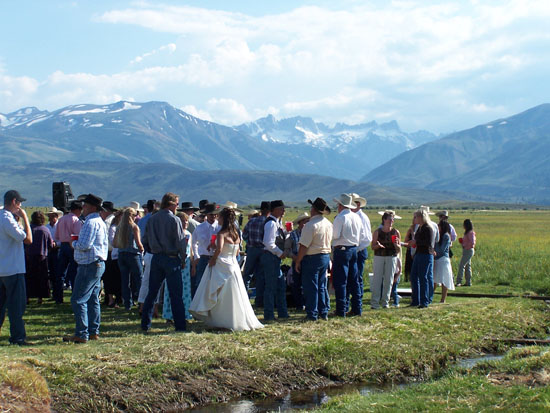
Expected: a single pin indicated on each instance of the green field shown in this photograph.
(128, 371)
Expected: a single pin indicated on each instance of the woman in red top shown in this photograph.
(468, 250)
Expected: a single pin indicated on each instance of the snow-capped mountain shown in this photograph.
(158, 132)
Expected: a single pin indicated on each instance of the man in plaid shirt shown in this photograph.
(253, 234)
(90, 253)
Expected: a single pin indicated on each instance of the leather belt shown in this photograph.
(344, 247)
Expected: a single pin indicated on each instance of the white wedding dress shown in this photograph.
(221, 299)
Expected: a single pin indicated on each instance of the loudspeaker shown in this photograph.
(62, 195)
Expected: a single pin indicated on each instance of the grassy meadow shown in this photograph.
(166, 371)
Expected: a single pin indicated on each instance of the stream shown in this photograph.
(309, 399)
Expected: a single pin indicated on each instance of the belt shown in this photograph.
(344, 247)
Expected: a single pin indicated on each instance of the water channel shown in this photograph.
(309, 399)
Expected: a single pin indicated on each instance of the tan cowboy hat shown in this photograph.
(426, 208)
(54, 210)
(389, 211)
(356, 198)
(252, 212)
(300, 218)
(443, 213)
(346, 200)
(230, 205)
(135, 205)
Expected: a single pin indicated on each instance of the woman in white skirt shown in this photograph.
(443, 272)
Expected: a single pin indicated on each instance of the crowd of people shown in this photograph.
(184, 262)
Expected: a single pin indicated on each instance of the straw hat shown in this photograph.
(389, 211)
(300, 218)
(230, 205)
(54, 210)
(252, 212)
(346, 200)
(135, 205)
(426, 208)
(356, 198)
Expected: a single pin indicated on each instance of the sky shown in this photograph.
(440, 66)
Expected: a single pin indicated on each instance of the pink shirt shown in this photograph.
(66, 226)
(469, 240)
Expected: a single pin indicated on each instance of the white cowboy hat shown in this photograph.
(356, 198)
(230, 205)
(427, 209)
(300, 218)
(389, 211)
(54, 210)
(346, 200)
(135, 205)
(443, 213)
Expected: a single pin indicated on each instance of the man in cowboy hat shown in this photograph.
(67, 226)
(444, 216)
(165, 239)
(108, 212)
(90, 253)
(292, 245)
(13, 296)
(313, 260)
(366, 238)
(274, 244)
(346, 236)
(53, 218)
(188, 208)
(203, 247)
(253, 234)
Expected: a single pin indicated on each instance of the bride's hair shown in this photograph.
(229, 219)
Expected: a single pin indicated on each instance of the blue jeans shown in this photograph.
(421, 267)
(253, 267)
(394, 295)
(275, 287)
(85, 298)
(67, 263)
(196, 280)
(296, 287)
(314, 281)
(13, 298)
(345, 280)
(169, 268)
(361, 258)
(131, 272)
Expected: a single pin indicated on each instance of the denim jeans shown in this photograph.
(253, 267)
(131, 272)
(85, 298)
(422, 265)
(296, 288)
(314, 281)
(66, 263)
(275, 287)
(361, 258)
(13, 298)
(394, 295)
(169, 268)
(345, 280)
(196, 280)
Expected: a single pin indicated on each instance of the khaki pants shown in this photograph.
(465, 265)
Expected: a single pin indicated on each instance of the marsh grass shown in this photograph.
(163, 370)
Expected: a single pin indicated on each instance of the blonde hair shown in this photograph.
(124, 228)
(424, 215)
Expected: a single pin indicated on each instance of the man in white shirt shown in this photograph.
(203, 245)
(366, 238)
(313, 260)
(274, 244)
(13, 294)
(346, 236)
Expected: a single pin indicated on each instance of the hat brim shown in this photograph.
(325, 211)
(344, 205)
(394, 215)
(362, 201)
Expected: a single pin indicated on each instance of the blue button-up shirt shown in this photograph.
(12, 254)
(253, 232)
(92, 243)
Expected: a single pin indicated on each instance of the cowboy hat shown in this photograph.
(346, 200)
(54, 210)
(427, 209)
(320, 205)
(94, 200)
(276, 204)
(300, 218)
(443, 213)
(389, 211)
(109, 206)
(252, 212)
(210, 209)
(356, 198)
(185, 206)
(231, 205)
(135, 205)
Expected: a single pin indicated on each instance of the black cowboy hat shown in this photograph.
(203, 202)
(75, 205)
(320, 205)
(109, 206)
(210, 209)
(94, 200)
(188, 205)
(265, 206)
(276, 204)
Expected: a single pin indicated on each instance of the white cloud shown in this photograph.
(228, 111)
(170, 48)
(198, 113)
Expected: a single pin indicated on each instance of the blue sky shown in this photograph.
(434, 65)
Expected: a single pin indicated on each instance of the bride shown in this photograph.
(221, 299)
